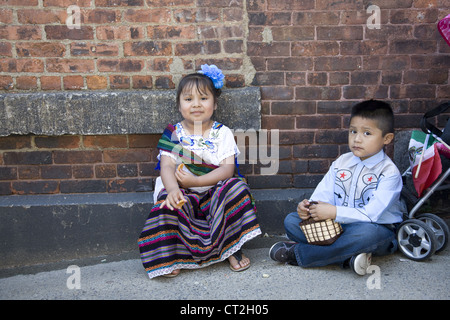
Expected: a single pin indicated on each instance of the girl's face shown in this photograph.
(197, 106)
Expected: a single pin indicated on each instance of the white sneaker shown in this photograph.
(360, 263)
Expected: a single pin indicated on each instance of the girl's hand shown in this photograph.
(174, 199)
(322, 211)
(185, 179)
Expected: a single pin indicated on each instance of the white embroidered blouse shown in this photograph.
(215, 148)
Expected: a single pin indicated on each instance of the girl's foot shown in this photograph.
(173, 274)
(239, 262)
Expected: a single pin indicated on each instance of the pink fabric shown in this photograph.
(444, 28)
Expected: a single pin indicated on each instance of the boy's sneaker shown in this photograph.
(360, 263)
(283, 252)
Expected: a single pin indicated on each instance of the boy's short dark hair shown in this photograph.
(376, 110)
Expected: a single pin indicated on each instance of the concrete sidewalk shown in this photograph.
(394, 278)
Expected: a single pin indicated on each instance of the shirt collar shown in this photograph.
(369, 162)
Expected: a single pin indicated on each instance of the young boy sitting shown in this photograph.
(361, 191)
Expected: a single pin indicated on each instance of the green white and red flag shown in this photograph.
(424, 159)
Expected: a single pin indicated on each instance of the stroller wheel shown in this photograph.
(439, 227)
(416, 239)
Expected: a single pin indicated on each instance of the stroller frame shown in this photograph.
(421, 235)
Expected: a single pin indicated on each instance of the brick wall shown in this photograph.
(312, 59)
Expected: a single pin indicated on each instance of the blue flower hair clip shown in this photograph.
(214, 73)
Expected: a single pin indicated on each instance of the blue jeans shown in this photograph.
(356, 238)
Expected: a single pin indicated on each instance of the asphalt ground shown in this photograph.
(122, 277)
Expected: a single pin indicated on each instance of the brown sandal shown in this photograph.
(238, 256)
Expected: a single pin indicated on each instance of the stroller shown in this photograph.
(420, 236)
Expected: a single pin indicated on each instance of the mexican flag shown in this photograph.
(424, 157)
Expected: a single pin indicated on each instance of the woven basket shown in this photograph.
(321, 233)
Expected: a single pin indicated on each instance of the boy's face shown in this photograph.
(365, 139)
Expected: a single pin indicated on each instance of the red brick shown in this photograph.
(101, 16)
(314, 18)
(120, 65)
(80, 172)
(104, 142)
(8, 173)
(337, 63)
(129, 155)
(275, 49)
(147, 48)
(234, 81)
(56, 172)
(26, 82)
(62, 32)
(39, 16)
(6, 83)
(160, 64)
(162, 3)
(105, 171)
(129, 185)
(70, 65)
(50, 83)
(73, 82)
(127, 170)
(277, 93)
(120, 32)
(6, 16)
(288, 64)
(142, 82)
(15, 142)
(119, 82)
(77, 157)
(290, 5)
(317, 93)
(164, 82)
(295, 33)
(24, 158)
(94, 49)
(278, 122)
(339, 5)
(20, 32)
(195, 48)
(21, 65)
(29, 172)
(35, 187)
(82, 186)
(118, 3)
(96, 82)
(171, 32)
(143, 140)
(40, 49)
(413, 47)
(66, 3)
(5, 49)
(57, 142)
(293, 108)
(148, 15)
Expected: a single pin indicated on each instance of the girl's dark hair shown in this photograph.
(200, 82)
(376, 110)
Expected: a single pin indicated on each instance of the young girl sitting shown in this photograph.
(202, 214)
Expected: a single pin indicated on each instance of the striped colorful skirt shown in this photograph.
(209, 228)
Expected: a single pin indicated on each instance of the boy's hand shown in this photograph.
(303, 209)
(322, 211)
